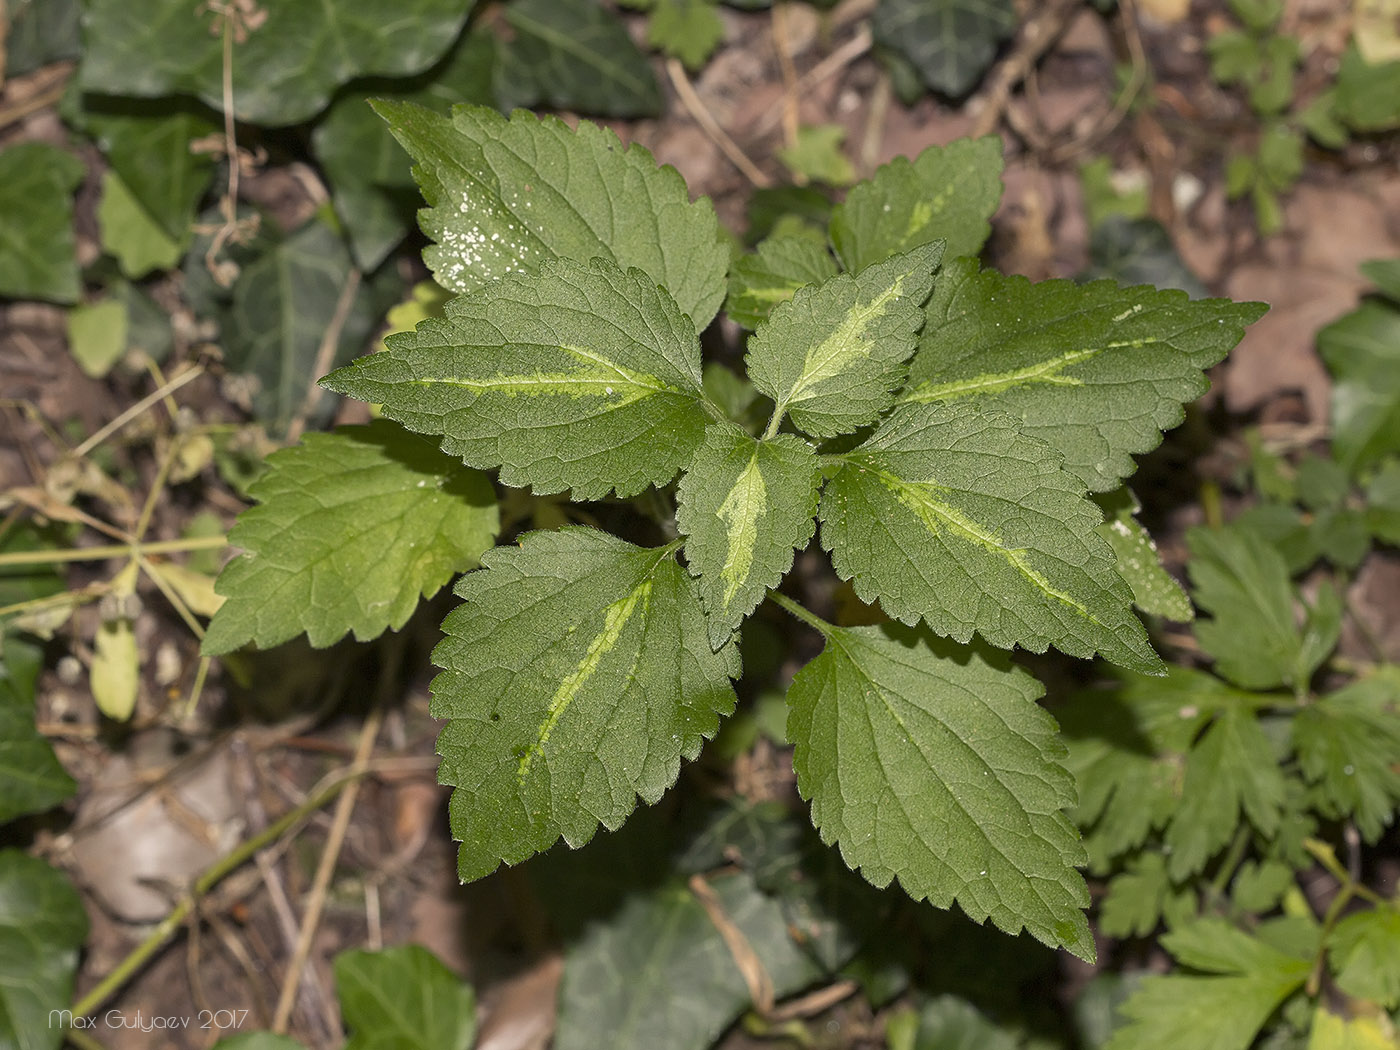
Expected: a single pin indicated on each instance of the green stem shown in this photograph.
(82, 1040)
(211, 877)
(804, 614)
(1228, 866)
(113, 550)
(775, 421)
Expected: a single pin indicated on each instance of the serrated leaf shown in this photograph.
(371, 183)
(1365, 955)
(1155, 591)
(1127, 747)
(947, 193)
(681, 986)
(770, 275)
(815, 155)
(1260, 885)
(832, 355)
(1382, 514)
(36, 239)
(1095, 370)
(147, 143)
(950, 514)
(1362, 351)
(1347, 743)
(1139, 898)
(284, 68)
(933, 764)
(580, 377)
(283, 302)
(350, 530)
(507, 195)
(686, 29)
(745, 506)
(576, 676)
(42, 926)
(131, 235)
(403, 999)
(1221, 1012)
(1232, 772)
(1251, 634)
(950, 42)
(576, 55)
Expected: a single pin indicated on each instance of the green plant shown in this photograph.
(945, 424)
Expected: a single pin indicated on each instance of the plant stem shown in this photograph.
(804, 614)
(207, 880)
(774, 422)
(113, 550)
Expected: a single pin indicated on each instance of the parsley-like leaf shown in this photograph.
(1222, 1012)
(1141, 897)
(934, 764)
(576, 676)
(350, 530)
(1097, 370)
(947, 193)
(509, 194)
(950, 514)
(580, 377)
(1362, 351)
(832, 355)
(1366, 955)
(780, 265)
(1347, 745)
(745, 505)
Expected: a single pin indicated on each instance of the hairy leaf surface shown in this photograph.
(1154, 589)
(284, 68)
(576, 676)
(947, 193)
(579, 377)
(350, 530)
(769, 276)
(949, 514)
(933, 764)
(746, 506)
(833, 354)
(1096, 370)
(508, 194)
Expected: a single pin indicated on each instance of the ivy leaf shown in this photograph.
(932, 763)
(1096, 370)
(42, 926)
(1231, 772)
(1362, 351)
(947, 193)
(682, 987)
(36, 239)
(372, 187)
(403, 999)
(132, 236)
(950, 514)
(832, 355)
(31, 777)
(1347, 743)
(947, 1022)
(1154, 589)
(147, 143)
(950, 42)
(768, 276)
(1365, 955)
(576, 675)
(745, 506)
(284, 68)
(350, 530)
(686, 29)
(574, 54)
(1222, 1012)
(40, 32)
(581, 377)
(507, 195)
(1252, 636)
(283, 302)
